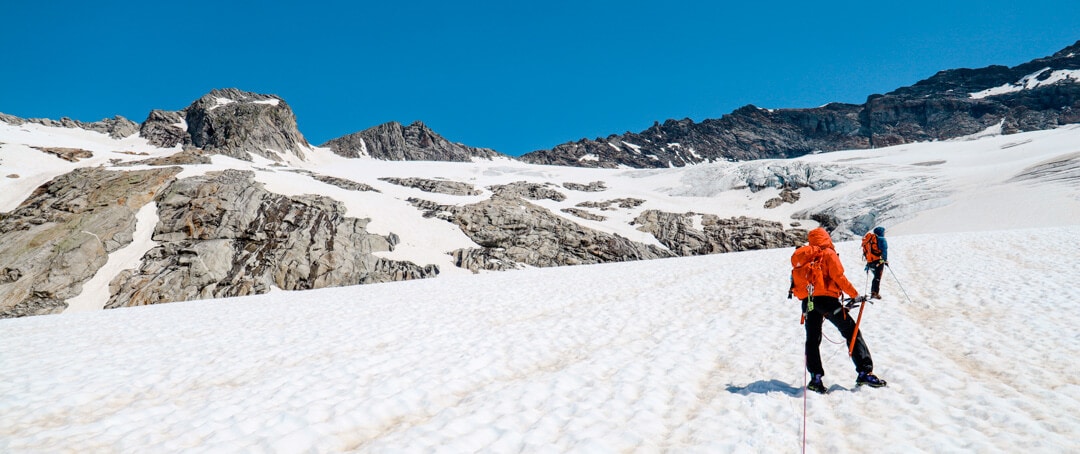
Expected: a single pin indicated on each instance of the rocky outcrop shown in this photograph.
(62, 234)
(415, 142)
(165, 129)
(230, 122)
(342, 183)
(1040, 94)
(224, 235)
(116, 127)
(526, 190)
(488, 259)
(190, 156)
(514, 231)
(595, 186)
(786, 196)
(679, 233)
(583, 214)
(606, 205)
(435, 186)
(67, 154)
(237, 123)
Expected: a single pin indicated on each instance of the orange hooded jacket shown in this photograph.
(835, 281)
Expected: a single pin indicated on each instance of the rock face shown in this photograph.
(165, 129)
(62, 234)
(67, 154)
(786, 196)
(1040, 94)
(512, 231)
(116, 127)
(223, 235)
(435, 186)
(416, 142)
(716, 235)
(747, 133)
(595, 186)
(232, 123)
(526, 190)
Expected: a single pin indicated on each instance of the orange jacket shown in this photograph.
(835, 281)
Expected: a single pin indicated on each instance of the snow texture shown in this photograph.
(700, 354)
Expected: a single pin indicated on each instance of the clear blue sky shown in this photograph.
(509, 75)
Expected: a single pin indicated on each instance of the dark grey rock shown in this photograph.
(523, 233)
(435, 186)
(416, 142)
(583, 214)
(595, 186)
(678, 233)
(165, 129)
(238, 124)
(526, 190)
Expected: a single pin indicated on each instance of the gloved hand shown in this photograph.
(789, 294)
(884, 262)
(853, 303)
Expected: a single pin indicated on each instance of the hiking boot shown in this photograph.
(869, 379)
(816, 385)
(875, 295)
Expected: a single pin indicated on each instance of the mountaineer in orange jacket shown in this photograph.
(824, 303)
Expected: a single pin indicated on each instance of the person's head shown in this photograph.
(819, 237)
(879, 231)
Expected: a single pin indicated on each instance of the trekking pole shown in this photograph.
(898, 283)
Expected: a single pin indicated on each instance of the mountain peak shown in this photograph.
(230, 122)
(393, 142)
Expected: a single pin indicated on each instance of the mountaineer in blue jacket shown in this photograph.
(876, 252)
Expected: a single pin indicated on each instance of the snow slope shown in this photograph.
(698, 354)
(690, 355)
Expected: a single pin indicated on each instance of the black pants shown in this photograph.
(826, 307)
(877, 267)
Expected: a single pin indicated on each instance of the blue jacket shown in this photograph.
(881, 243)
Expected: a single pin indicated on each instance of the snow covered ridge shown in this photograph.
(272, 220)
(1034, 80)
(653, 356)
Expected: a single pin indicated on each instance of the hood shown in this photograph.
(880, 231)
(820, 238)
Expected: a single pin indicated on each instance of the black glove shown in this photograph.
(853, 303)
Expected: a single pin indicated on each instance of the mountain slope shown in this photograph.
(1040, 94)
(222, 226)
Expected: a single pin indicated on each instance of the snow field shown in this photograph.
(700, 354)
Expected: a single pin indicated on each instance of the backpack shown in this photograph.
(870, 249)
(806, 271)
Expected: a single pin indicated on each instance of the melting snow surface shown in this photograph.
(699, 354)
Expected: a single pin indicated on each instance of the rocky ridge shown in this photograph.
(230, 122)
(415, 142)
(512, 232)
(1040, 94)
(116, 127)
(679, 232)
(224, 235)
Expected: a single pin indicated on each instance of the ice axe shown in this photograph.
(855, 335)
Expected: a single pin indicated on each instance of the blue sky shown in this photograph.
(513, 76)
